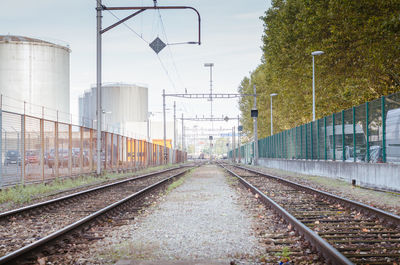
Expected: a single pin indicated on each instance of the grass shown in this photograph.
(24, 194)
(128, 250)
(284, 255)
(178, 182)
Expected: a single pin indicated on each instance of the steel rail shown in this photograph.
(390, 218)
(332, 255)
(17, 254)
(70, 196)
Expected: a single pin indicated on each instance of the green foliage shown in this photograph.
(284, 255)
(361, 41)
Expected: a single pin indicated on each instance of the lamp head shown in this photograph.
(317, 53)
(273, 94)
(208, 64)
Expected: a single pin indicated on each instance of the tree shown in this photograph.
(361, 41)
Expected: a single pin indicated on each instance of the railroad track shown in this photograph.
(26, 230)
(342, 230)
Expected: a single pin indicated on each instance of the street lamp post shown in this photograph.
(272, 123)
(313, 79)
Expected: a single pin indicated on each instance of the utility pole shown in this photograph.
(255, 115)
(174, 124)
(239, 130)
(165, 130)
(210, 151)
(183, 144)
(211, 97)
(98, 86)
(233, 147)
(157, 45)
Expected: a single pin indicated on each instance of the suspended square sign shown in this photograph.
(240, 128)
(254, 113)
(210, 137)
(157, 45)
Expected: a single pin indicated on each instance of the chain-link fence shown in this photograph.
(39, 145)
(368, 133)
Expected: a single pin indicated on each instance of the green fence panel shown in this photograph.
(366, 133)
(392, 128)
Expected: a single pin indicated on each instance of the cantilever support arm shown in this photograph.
(121, 21)
(143, 8)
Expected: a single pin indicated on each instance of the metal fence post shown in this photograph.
(57, 159)
(91, 150)
(112, 152)
(325, 147)
(42, 149)
(70, 150)
(307, 147)
(81, 161)
(367, 128)
(23, 149)
(295, 143)
(343, 139)
(1, 144)
(333, 137)
(285, 138)
(383, 130)
(301, 141)
(284, 144)
(312, 138)
(318, 151)
(354, 135)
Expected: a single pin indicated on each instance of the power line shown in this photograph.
(140, 36)
(169, 49)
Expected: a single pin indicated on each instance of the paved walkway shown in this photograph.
(201, 220)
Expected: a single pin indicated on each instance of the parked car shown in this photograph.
(12, 157)
(76, 156)
(63, 157)
(32, 157)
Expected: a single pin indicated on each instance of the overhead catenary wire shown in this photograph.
(163, 66)
(147, 42)
(169, 49)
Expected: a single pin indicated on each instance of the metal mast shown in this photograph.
(98, 86)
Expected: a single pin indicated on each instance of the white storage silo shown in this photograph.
(35, 71)
(121, 103)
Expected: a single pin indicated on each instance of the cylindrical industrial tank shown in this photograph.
(35, 71)
(121, 104)
(126, 102)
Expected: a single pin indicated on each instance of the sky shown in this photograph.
(231, 33)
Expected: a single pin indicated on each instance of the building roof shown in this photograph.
(19, 39)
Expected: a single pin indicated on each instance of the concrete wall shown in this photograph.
(381, 176)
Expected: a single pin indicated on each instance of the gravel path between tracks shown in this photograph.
(202, 219)
(383, 200)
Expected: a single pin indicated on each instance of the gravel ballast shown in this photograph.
(199, 220)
